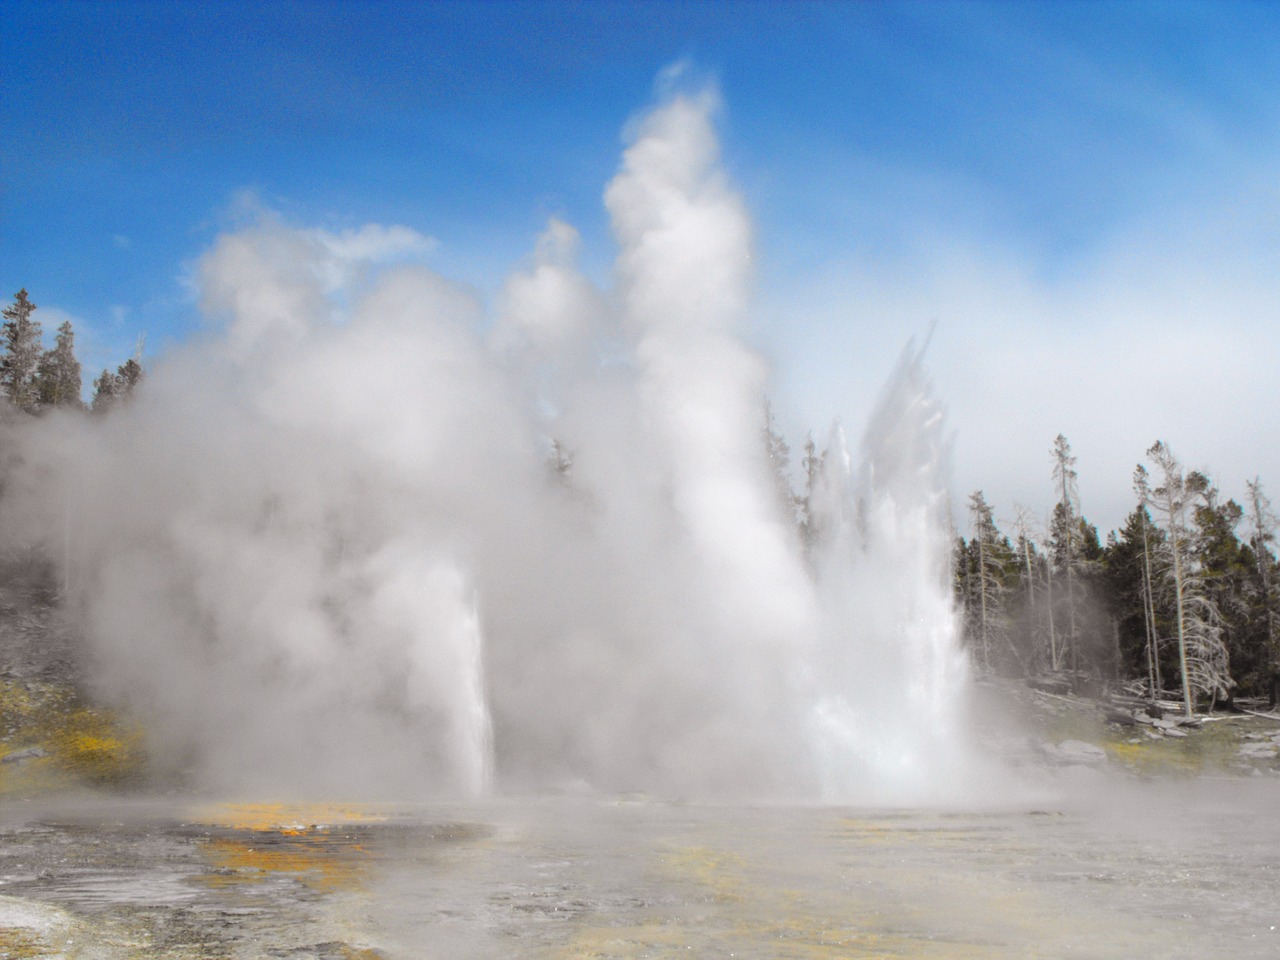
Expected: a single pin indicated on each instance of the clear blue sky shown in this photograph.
(1082, 195)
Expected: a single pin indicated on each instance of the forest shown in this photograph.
(1181, 603)
(35, 379)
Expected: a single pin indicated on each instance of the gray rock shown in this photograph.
(1262, 750)
(30, 753)
(1074, 753)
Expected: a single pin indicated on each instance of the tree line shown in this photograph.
(33, 378)
(1181, 603)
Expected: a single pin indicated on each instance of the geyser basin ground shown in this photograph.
(1175, 871)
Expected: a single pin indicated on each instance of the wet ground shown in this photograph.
(1148, 870)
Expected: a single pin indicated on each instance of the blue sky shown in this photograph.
(1083, 196)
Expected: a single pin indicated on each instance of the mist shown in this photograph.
(369, 537)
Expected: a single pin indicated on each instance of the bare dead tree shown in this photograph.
(1202, 654)
(1142, 486)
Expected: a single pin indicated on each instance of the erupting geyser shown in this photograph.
(365, 539)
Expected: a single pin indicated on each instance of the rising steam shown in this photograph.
(352, 544)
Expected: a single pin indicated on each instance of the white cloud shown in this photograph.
(1166, 331)
(271, 278)
(549, 306)
(374, 243)
(50, 318)
(345, 258)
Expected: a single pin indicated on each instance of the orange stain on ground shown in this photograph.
(323, 864)
(293, 819)
(305, 842)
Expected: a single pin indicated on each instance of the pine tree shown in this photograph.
(1227, 567)
(989, 558)
(112, 388)
(1030, 603)
(1203, 663)
(58, 375)
(22, 351)
(1263, 533)
(1131, 587)
(778, 455)
(1065, 547)
(105, 390)
(812, 464)
(129, 375)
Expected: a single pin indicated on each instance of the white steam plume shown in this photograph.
(331, 548)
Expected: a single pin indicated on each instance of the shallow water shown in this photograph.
(1183, 870)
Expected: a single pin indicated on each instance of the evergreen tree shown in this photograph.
(778, 455)
(58, 375)
(1203, 664)
(959, 573)
(1081, 635)
(989, 557)
(1030, 613)
(129, 375)
(812, 464)
(112, 388)
(1227, 567)
(1065, 555)
(22, 351)
(1263, 533)
(1083, 606)
(105, 390)
(1130, 588)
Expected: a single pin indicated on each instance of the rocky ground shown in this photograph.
(53, 736)
(1125, 735)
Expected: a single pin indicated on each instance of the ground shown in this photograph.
(54, 736)
(1034, 726)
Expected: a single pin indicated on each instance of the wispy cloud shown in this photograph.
(1162, 331)
(374, 243)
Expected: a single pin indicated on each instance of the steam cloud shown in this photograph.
(324, 550)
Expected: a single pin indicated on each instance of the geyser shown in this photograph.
(365, 539)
